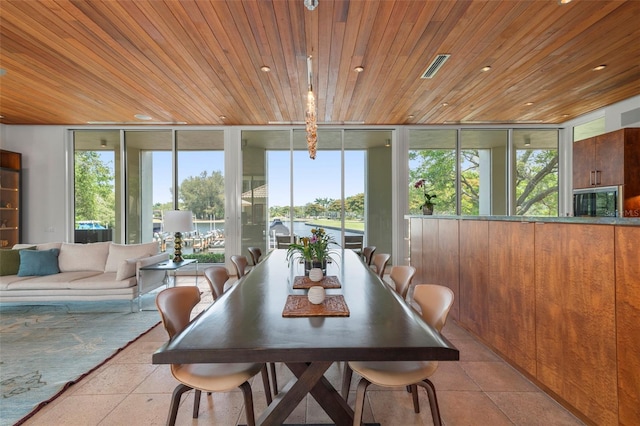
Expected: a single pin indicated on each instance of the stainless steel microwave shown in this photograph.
(604, 201)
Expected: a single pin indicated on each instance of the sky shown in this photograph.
(319, 178)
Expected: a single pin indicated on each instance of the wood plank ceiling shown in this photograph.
(199, 62)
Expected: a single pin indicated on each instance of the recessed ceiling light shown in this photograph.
(359, 68)
(485, 69)
(223, 117)
(410, 116)
(529, 103)
(143, 117)
(599, 67)
(564, 1)
(445, 104)
(265, 68)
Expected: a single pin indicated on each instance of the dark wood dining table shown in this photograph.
(247, 324)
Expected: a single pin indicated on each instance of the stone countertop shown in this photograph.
(624, 221)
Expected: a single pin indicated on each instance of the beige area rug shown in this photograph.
(46, 347)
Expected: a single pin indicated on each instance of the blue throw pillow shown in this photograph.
(10, 261)
(38, 262)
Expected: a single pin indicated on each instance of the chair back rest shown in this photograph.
(217, 277)
(380, 262)
(255, 254)
(401, 275)
(175, 305)
(283, 241)
(435, 301)
(240, 263)
(367, 252)
(353, 242)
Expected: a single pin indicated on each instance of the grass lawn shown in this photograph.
(355, 225)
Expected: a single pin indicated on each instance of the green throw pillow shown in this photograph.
(38, 262)
(10, 261)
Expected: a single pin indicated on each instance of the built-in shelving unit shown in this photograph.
(10, 198)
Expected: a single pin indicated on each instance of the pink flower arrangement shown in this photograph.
(422, 184)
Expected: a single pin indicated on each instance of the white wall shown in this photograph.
(43, 180)
(613, 114)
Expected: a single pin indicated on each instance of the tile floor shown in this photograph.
(480, 389)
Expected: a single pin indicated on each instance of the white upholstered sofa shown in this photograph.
(84, 272)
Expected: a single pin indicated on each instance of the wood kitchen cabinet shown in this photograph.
(434, 254)
(448, 261)
(611, 159)
(598, 161)
(512, 292)
(558, 300)
(10, 198)
(474, 276)
(575, 316)
(628, 323)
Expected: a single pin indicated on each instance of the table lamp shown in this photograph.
(178, 221)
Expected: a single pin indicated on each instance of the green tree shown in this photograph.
(470, 182)
(279, 211)
(299, 211)
(324, 202)
(438, 168)
(313, 209)
(335, 207)
(94, 191)
(536, 183)
(354, 206)
(203, 194)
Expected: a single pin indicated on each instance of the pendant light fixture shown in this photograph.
(311, 114)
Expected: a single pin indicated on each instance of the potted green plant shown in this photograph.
(315, 250)
(427, 207)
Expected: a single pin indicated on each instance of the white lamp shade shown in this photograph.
(178, 221)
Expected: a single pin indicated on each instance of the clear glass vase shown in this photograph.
(310, 264)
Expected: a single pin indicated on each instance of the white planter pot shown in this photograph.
(315, 274)
(316, 294)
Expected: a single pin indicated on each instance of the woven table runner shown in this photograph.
(299, 306)
(330, 281)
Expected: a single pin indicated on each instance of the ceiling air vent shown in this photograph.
(435, 66)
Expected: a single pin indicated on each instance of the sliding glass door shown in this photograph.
(201, 189)
(317, 185)
(96, 186)
(285, 193)
(165, 170)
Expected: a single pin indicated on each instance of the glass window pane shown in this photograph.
(201, 190)
(317, 183)
(368, 184)
(354, 196)
(432, 157)
(483, 172)
(588, 130)
(536, 177)
(265, 201)
(96, 155)
(149, 183)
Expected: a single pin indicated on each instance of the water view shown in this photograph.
(209, 235)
